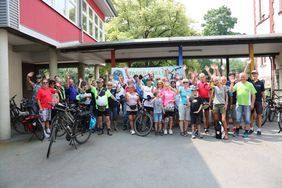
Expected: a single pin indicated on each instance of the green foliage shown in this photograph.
(148, 19)
(219, 22)
(237, 65)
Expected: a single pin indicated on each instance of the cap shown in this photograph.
(38, 76)
(254, 71)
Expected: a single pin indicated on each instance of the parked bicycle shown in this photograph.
(23, 122)
(76, 127)
(143, 123)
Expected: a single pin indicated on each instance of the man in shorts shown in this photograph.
(44, 100)
(35, 87)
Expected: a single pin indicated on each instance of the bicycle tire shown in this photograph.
(38, 130)
(272, 115)
(52, 139)
(265, 115)
(81, 132)
(279, 120)
(56, 121)
(140, 128)
(19, 127)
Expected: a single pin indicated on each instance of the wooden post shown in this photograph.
(252, 57)
(113, 58)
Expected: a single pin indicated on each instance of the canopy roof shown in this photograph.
(167, 48)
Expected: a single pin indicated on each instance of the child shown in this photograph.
(196, 104)
(158, 111)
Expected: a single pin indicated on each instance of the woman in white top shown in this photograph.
(132, 100)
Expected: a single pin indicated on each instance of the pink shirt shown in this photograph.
(167, 96)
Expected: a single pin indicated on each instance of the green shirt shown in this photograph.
(244, 92)
(145, 82)
(102, 99)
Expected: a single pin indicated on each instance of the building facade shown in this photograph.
(268, 19)
(30, 33)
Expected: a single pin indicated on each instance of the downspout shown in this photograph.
(81, 40)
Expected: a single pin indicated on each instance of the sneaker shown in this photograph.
(193, 135)
(196, 133)
(200, 135)
(165, 132)
(236, 132)
(258, 133)
(185, 133)
(124, 127)
(170, 131)
(161, 133)
(46, 135)
(246, 134)
(206, 131)
(182, 133)
(48, 131)
(250, 131)
(132, 132)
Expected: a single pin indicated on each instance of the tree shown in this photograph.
(148, 19)
(219, 22)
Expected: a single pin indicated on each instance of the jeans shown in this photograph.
(247, 112)
(113, 113)
(124, 113)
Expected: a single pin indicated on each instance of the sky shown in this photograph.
(241, 9)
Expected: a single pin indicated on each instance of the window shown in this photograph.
(280, 6)
(67, 8)
(91, 23)
(263, 9)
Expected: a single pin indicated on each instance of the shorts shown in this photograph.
(149, 109)
(240, 109)
(184, 112)
(206, 100)
(258, 107)
(132, 112)
(169, 114)
(158, 117)
(219, 108)
(196, 119)
(105, 113)
(45, 115)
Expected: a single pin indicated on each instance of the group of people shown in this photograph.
(185, 101)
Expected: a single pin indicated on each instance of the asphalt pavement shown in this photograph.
(123, 160)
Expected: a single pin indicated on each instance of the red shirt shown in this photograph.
(203, 89)
(45, 96)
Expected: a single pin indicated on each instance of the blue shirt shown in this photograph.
(183, 94)
(72, 92)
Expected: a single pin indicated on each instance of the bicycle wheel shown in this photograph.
(143, 124)
(81, 132)
(279, 120)
(273, 115)
(57, 121)
(52, 139)
(37, 129)
(19, 127)
(265, 114)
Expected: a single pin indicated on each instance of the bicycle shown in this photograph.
(278, 108)
(76, 131)
(143, 123)
(24, 122)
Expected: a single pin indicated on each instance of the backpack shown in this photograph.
(219, 130)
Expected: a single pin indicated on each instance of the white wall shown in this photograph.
(15, 75)
(277, 18)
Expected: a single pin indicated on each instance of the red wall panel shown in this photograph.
(38, 16)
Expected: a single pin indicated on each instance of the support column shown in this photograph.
(81, 71)
(113, 58)
(227, 67)
(5, 127)
(180, 56)
(53, 65)
(97, 69)
(252, 57)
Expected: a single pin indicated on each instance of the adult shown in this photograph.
(35, 87)
(259, 102)
(168, 97)
(113, 105)
(219, 99)
(184, 110)
(204, 93)
(245, 101)
(138, 84)
(44, 100)
(132, 99)
(232, 100)
(101, 95)
(60, 89)
(148, 90)
(71, 91)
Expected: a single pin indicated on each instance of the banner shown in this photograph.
(159, 72)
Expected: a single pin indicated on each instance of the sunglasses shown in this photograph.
(110, 85)
(45, 82)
